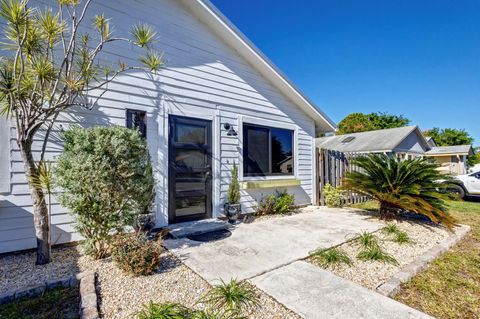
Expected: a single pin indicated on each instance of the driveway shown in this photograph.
(268, 244)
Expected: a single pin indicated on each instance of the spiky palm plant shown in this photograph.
(234, 296)
(411, 185)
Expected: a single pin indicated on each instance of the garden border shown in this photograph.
(392, 286)
(88, 297)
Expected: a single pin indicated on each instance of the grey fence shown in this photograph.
(331, 168)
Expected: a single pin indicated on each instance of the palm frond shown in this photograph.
(143, 34)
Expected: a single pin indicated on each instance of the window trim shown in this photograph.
(242, 119)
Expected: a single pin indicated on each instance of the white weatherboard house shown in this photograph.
(215, 83)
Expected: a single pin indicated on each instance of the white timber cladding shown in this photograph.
(203, 77)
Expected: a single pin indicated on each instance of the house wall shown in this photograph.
(411, 145)
(203, 78)
(4, 155)
(452, 164)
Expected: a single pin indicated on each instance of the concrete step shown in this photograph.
(197, 227)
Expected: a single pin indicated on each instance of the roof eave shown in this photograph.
(211, 16)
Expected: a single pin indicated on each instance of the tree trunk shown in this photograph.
(40, 210)
(387, 211)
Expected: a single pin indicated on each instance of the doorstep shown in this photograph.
(197, 227)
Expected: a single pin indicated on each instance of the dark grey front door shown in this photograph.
(190, 169)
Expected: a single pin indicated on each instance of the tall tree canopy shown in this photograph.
(449, 136)
(360, 122)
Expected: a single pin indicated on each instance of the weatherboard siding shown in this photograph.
(203, 76)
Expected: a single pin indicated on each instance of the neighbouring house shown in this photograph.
(406, 142)
(218, 101)
(453, 159)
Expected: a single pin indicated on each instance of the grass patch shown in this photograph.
(366, 239)
(450, 287)
(332, 257)
(376, 253)
(401, 238)
(234, 296)
(391, 229)
(57, 303)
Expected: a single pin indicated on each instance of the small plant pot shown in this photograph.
(145, 222)
(232, 211)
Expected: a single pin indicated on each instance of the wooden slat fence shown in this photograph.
(331, 168)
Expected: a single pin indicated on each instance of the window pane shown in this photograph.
(282, 151)
(190, 134)
(137, 120)
(256, 150)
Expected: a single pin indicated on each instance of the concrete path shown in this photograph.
(268, 244)
(313, 292)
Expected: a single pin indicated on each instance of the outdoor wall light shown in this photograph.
(231, 131)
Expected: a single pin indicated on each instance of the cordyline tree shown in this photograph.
(53, 66)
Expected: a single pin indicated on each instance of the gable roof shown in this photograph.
(450, 150)
(212, 17)
(372, 141)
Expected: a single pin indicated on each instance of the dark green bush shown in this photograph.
(279, 203)
(105, 177)
(136, 255)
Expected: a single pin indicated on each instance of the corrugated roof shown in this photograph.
(379, 140)
(444, 150)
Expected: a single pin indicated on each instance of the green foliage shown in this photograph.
(391, 229)
(232, 297)
(376, 253)
(103, 175)
(280, 203)
(411, 185)
(333, 196)
(136, 255)
(234, 187)
(332, 257)
(401, 237)
(360, 122)
(449, 136)
(366, 239)
(473, 160)
(164, 311)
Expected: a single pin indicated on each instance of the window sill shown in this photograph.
(270, 183)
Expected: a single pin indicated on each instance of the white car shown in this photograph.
(466, 185)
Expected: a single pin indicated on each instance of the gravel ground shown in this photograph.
(121, 295)
(371, 274)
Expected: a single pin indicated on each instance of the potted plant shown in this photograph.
(233, 208)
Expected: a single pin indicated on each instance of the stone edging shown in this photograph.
(88, 297)
(36, 290)
(392, 286)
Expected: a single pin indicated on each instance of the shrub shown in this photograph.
(234, 187)
(232, 297)
(330, 257)
(333, 196)
(411, 185)
(136, 255)
(164, 311)
(278, 203)
(376, 253)
(103, 173)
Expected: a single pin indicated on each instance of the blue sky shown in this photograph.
(412, 57)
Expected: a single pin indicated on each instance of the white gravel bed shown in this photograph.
(122, 295)
(371, 274)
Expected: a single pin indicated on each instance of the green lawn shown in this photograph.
(58, 303)
(450, 286)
